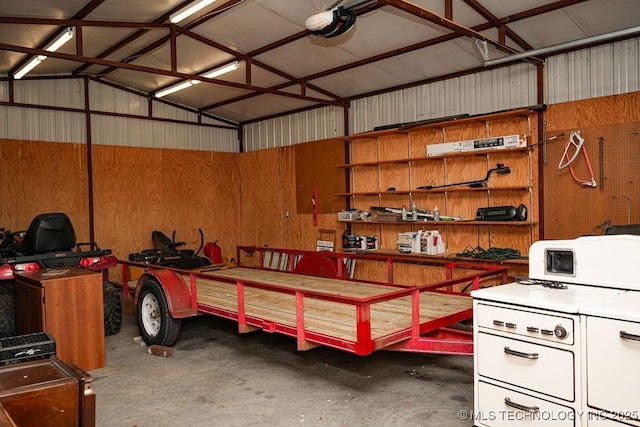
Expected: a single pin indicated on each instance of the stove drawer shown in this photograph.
(500, 406)
(596, 420)
(613, 377)
(531, 366)
(526, 323)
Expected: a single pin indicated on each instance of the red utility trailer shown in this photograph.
(309, 296)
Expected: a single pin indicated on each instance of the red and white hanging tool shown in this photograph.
(577, 142)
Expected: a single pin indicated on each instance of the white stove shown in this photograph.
(561, 347)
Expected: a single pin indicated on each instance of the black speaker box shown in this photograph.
(502, 213)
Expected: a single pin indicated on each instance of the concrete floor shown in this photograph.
(217, 377)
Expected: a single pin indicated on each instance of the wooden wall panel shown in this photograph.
(420, 139)
(572, 210)
(586, 113)
(269, 202)
(200, 189)
(138, 190)
(366, 180)
(394, 147)
(364, 150)
(40, 177)
(394, 176)
(128, 197)
(315, 169)
(263, 206)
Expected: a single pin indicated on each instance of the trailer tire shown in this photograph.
(112, 309)
(7, 315)
(157, 327)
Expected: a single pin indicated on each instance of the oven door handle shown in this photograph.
(628, 336)
(516, 353)
(520, 406)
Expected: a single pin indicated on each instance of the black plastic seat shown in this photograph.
(49, 232)
(166, 246)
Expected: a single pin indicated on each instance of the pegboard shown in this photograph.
(571, 209)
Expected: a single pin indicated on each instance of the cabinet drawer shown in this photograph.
(613, 355)
(499, 406)
(596, 420)
(532, 366)
(536, 325)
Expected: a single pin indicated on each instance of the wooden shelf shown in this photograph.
(397, 158)
(520, 112)
(445, 223)
(438, 157)
(436, 190)
(451, 257)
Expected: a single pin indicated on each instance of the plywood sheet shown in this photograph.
(139, 190)
(572, 209)
(40, 177)
(315, 169)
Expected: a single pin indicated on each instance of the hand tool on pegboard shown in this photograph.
(601, 161)
(577, 141)
(314, 200)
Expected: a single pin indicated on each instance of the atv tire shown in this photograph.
(112, 309)
(7, 315)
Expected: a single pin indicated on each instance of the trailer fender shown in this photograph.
(175, 289)
(323, 266)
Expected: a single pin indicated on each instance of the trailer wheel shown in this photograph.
(7, 315)
(157, 327)
(112, 309)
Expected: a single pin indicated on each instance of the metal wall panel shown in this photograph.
(33, 124)
(4, 90)
(65, 93)
(130, 132)
(113, 100)
(63, 126)
(212, 121)
(609, 69)
(313, 125)
(164, 111)
(484, 92)
(4, 120)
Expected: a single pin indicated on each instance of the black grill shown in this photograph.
(22, 348)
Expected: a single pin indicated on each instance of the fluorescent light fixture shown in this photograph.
(210, 75)
(61, 40)
(222, 70)
(174, 88)
(52, 47)
(189, 10)
(28, 67)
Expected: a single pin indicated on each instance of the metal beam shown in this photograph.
(433, 17)
(124, 65)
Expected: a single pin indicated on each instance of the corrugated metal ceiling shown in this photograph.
(285, 68)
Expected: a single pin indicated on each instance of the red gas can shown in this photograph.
(213, 252)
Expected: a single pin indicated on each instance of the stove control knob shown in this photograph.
(560, 332)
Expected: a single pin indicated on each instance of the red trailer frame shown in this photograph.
(318, 282)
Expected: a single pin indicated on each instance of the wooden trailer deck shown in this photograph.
(336, 317)
(355, 316)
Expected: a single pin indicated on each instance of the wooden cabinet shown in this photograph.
(386, 168)
(68, 304)
(44, 393)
